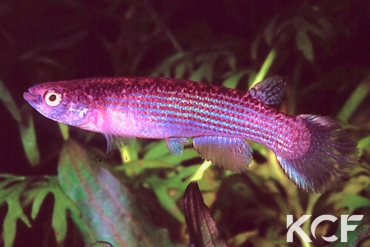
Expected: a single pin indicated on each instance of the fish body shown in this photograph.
(314, 151)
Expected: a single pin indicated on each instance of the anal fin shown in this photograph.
(231, 153)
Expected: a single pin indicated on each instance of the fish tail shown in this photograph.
(331, 154)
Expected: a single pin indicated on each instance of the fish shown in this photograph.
(315, 152)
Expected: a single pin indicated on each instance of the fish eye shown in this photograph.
(52, 97)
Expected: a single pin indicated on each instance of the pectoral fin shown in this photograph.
(233, 154)
(114, 141)
(176, 145)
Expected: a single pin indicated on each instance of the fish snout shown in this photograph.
(32, 98)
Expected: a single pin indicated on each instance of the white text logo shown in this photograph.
(296, 226)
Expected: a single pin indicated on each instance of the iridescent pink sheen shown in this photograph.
(165, 108)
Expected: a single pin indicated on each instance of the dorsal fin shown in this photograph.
(270, 91)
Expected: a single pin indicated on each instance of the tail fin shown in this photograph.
(332, 153)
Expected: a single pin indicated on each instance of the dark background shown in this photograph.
(55, 40)
(43, 40)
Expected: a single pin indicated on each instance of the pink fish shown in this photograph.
(314, 151)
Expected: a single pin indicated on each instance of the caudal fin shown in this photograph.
(331, 155)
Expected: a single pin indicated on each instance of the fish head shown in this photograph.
(64, 102)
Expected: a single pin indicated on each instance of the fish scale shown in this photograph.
(314, 151)
(164, 107)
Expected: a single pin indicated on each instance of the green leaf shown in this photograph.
(169, 202)
(158, 150)
(232, 81)
(301, 24)
(176, 182)
(59, 220)
(62, 204)
(268, 33)
(64, 130)
(188, 153)
(284, 26)
(261, 74)
(11, 190)
(198, 174)
(315, 30)
(135, 168)
(99, 244)
(155, 150)
(28, 136)
(353, 102)
(326, 27)
(156, 157)
(361, 231)
(69, 40)
(204, 71)
(109, 211)
(304, 45)
(232, 62)
(180, 70)
(353, 202)
(254, 47)
(61, 207)
(37, 202)
(10, 221)
(165, 68)
(364, 143)
(9, 103)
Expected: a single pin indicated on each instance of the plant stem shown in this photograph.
(264, 68)
(166, 30)
(129, 152)
(200, 172)
(64, 131)
(358, 95)
(296, 78)
(306, 225)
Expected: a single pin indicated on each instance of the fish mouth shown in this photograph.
(32, 98)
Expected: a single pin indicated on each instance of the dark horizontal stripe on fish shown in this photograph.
(164, 108)
(220, 119)
(227, 104)
(216, 109)
(198, 123)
